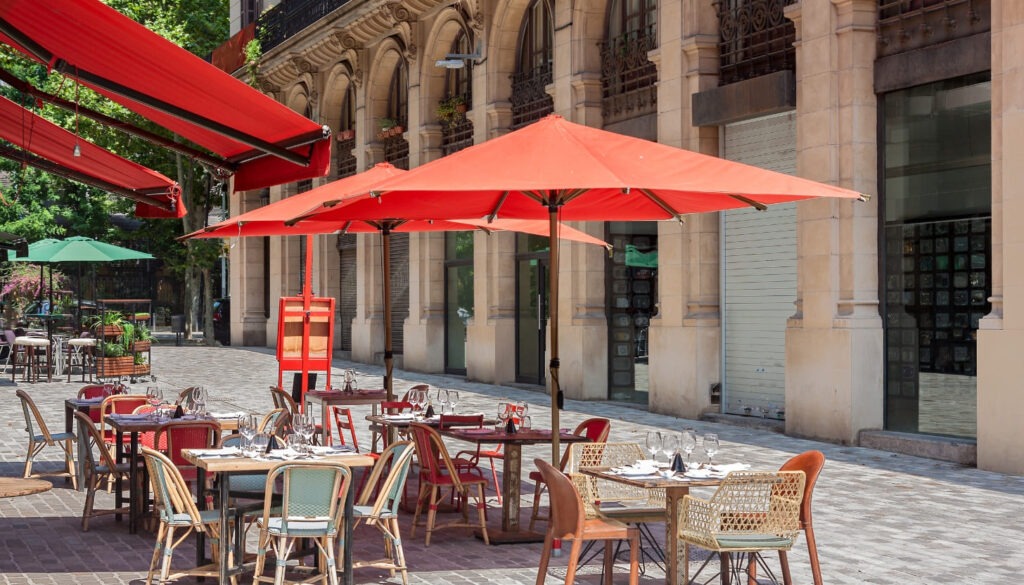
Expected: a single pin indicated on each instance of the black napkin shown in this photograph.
(272, 444)
(179, 412)
(510, 427)
(677, 464)
(430, 411)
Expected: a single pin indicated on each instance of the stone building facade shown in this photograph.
(894, 315)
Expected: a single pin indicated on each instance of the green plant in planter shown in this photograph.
(127, 337)
(385, 124)
(139, 359)
(142, 333)
(110, 350)
(451, 110)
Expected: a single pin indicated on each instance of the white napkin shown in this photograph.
(729, 467)
(223, 452)
(226, 415)
(332, 450)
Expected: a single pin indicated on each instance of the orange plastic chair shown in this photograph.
(569, 522)
(437, 472)
(596, 431)
(811, 463)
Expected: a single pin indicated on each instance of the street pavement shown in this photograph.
(880, 518)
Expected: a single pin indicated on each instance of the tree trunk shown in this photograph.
(208, 308)
(191, 301)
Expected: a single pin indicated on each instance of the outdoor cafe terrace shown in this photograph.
(878, 517)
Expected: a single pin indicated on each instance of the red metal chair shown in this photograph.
(179, 435)
(437, 472)
(596, 431)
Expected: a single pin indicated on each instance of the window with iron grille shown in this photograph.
(251, 10)
(905, 25)
(533, 66)
(456, 129)
(396, 148)
(346, 161)
(628, 77)
(755, 38)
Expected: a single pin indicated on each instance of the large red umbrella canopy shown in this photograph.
(272, 220)
(565, 171)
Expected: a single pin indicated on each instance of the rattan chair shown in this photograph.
(437, 472)
(752, 511)
(811, 463)
(98, 472)
(177, 511)
(569, 521)
(40, 437)
(387, 479)
(596, 431)
(312, 508)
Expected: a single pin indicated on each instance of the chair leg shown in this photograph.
(574, 560)
(545, 558)
(686, 563)
(397, 551)
(494, 475)
(481, 509)
(168, 552)
(69, 460)
(784, 563)
(419, 508)
(157, 549)
(752, 568)
(90, 498)
(609, 562)
(812, 550)
(28, 459)
(634, 558)
(431, 513)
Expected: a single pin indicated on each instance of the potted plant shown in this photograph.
(143, 339)
(344, 135)
(112, 360)
(451, 110)
(386, 125)
(108, 324)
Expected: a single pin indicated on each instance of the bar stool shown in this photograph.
(28, 349)
(80, 353)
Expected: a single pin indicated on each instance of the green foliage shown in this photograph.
(253, 54)
(386, 123)
(22, 285)
(451, 110)
(110, 349)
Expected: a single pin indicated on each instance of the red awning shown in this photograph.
(53, 149)
(263, 141)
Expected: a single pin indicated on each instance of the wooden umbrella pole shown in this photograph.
(385, 234)
(556, 390)
(307, 298)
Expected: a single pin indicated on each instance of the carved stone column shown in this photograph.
(834, 341)
(491, 347)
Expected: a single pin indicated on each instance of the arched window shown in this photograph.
(346, 163)
(533, 65)
(456, 128)
(459, 82)
(628, 77)
(396, 148)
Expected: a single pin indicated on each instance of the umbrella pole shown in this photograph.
(556, 391)
(307, 297)
(385, 235)
(49, 313)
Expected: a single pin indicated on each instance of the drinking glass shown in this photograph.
(522, 409)
(527, 423)
(670, 444)
(453, 399)
(258, 446)
(711, 446)
(154, 395)
(503, 412)
(442, 400)
(295, 442)
(308, 430)
(653, 443)
(688, 442)
(247, 427)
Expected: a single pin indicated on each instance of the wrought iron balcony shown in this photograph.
(904, 25)
(628, 77)
(456, 136)
(529, 100)
(290, 17)
(755, 39)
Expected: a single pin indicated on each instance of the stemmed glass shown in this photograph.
(155, 397)
(522, 409)
(247, 427)
(669, 445)
(453, 399)
(442, 400)
(654, 442)
(503, 411)
(688, 442)
(711, 446)
(417, 398)
(308, 430)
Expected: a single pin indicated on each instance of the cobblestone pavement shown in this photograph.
(880, 518)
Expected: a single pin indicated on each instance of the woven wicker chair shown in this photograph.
(569, 521)
(382, 511)
(596, 431)
(311, 508)
(811, 463)
(751, 511)
(437, 471)
(40, 437)
(177, 511)
(276, 422)
(98, 472)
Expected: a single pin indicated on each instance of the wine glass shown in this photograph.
(522, 409)
(442, 400)
(416, 399)
(711, 446)
(688, 442)
(308, 430)
(154, 395)
(453, 399)
(247, 427)
(669, 445)
(654, 443)
(259, 443)
(503, 411)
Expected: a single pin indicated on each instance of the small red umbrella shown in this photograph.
(559, 170)
(270, 220)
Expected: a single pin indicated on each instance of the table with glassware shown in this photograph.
(86, 405)
(329, 398)
(227, 463)
(511, 472)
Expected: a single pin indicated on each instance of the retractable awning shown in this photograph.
(262, 141)
(51, 148)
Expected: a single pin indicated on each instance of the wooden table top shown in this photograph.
(384, 419)
(142, 424)
(523, 437)
(20, 486)
(240, 463)
(362, 396)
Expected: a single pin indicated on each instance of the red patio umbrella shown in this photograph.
(560, 170)
(271, 220)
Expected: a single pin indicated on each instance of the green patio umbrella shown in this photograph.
(75, 249)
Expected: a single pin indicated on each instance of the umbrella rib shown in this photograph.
(755, 204)
(661, 203)
(501, 201)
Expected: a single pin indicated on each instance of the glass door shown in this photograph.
(458, 299)
(531, 308)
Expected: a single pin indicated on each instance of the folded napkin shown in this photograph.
(729, 467)
(226, 415)
(642, 470)
(224, 452)
(399, 416)
(130, 416)
(704, 474)
(332, 450)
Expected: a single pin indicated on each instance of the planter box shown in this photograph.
(140, 370)
(109, 330)
(141, 346)
(110, 367)
(346, 135)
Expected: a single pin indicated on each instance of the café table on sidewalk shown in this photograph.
(329, 398)
(225, 464)
(511, 473)
(86, 405)
(676, 487)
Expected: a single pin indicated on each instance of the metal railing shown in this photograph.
(289, 18)
(456, 136)
(904, 25)
(628, 77)
(755, 38)
(529, 100)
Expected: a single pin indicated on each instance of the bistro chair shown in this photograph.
(118, 404)
(596, 431)
(377, 431)
(312, 508)
(40, 437)
(80, 352)
(343, 422)
(437, 471)
(91, 391)
(99, 471)
(387, 480)
(179, 435)
(283, 400)
(811, 463)
(177, 510)
(569, 521)
(751, 511)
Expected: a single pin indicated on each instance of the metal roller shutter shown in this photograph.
(758, 273)
(399, 290)
(347, 302)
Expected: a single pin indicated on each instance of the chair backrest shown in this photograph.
(269, 420)
(184, 398)
(567, 515)
(811, 463)
(34, 423)
(312, 492)
(187, 434)
(762, 502)
(283, 400)
(395, 461)
(594, 430)
(343, 421)
(90, 391)
(395, 407)
(171, 494)
(435, 462)
(448, 421)
(90, 437)
(118, 404)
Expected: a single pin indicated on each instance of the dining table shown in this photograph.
(226, 464)
(328, 398)
(511, 470)
(134, 425)
(86, 405)
(676, 487)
